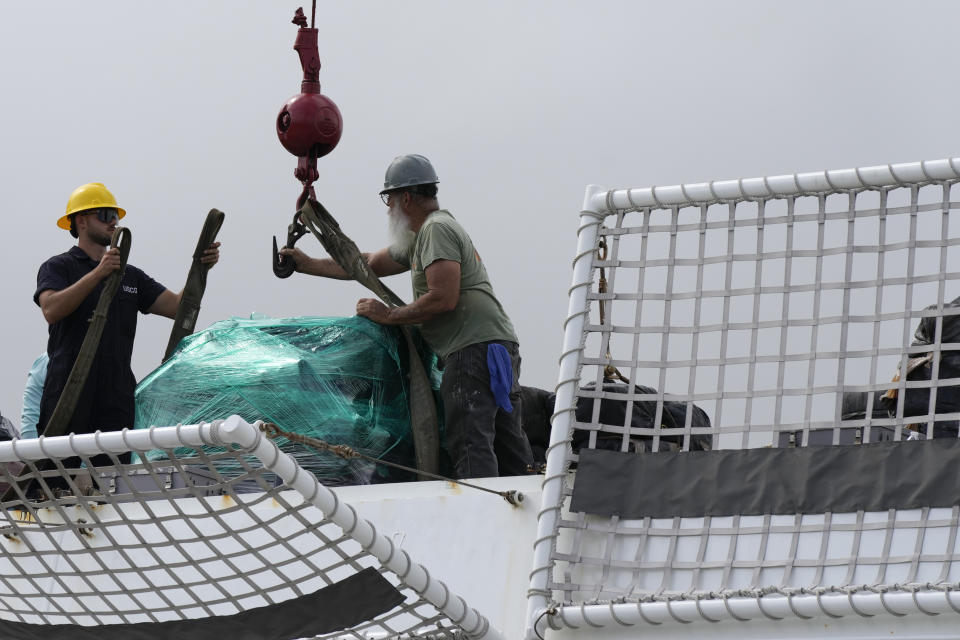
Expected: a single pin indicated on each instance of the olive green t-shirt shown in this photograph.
(478, 316)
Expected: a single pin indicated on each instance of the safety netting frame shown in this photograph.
(654, 560)
(182, 550)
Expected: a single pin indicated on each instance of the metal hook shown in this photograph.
(283, 267)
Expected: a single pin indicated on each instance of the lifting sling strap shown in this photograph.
(60, 419)
(186, 318)
(423, 407)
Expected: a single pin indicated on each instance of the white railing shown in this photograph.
(690, 265)
(138, 539)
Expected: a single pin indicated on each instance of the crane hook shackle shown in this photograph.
(283, 267)
(309, 126)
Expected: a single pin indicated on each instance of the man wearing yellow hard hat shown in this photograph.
(68, 288)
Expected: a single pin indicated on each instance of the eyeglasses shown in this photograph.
(386, 196)
(106, 215)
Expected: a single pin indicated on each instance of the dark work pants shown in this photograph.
(482, 439)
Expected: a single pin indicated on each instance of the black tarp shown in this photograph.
(927, 328)
(536, 411)
(643, 416)
(344, 604)
(869, 477)
(917, 401)
(538, 407)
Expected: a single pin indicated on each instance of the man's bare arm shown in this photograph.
(443, 293)
(166, 304)
(380, 263)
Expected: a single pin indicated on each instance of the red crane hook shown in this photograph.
(309, 126)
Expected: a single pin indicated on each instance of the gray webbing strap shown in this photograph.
(186, 318)
(423, 407)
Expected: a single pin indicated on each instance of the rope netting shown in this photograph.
(765, 312)
(120, 547)
(765, 316)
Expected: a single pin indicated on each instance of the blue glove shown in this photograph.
(501, 375)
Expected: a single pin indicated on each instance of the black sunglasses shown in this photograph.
(106, 215)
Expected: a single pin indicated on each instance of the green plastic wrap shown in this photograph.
(337, 379)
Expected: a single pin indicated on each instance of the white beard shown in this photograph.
(399, 227)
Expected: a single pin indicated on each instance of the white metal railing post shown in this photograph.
(236, 431)
(787, 185)
(91, 444)
(543, 609)
(578, 311)
(397, 560)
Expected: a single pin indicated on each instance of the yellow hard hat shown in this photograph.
(92, 195)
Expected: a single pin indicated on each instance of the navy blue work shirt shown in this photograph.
(106, 402)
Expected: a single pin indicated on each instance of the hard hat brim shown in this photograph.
(64, 221)
(415, 183)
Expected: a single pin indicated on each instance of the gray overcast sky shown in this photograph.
(519, 104)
